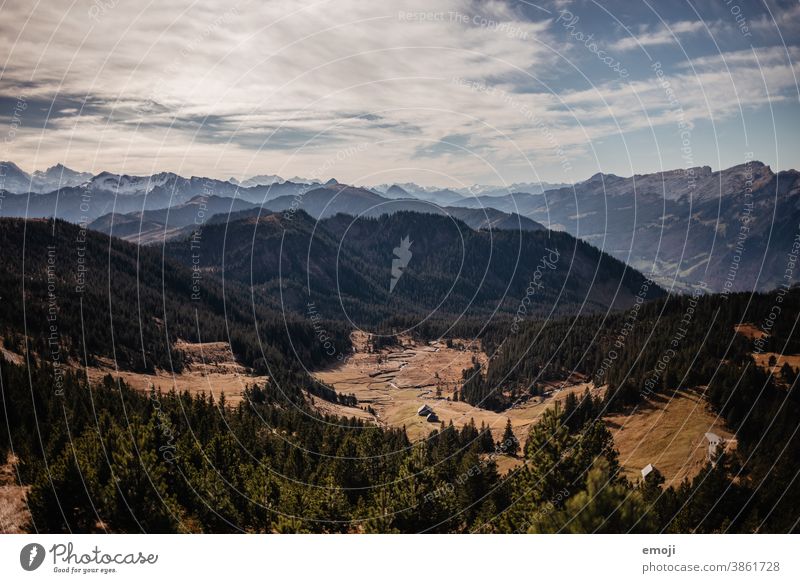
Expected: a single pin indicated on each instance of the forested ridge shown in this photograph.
(101, 296)
(455, 277)
(668, 346)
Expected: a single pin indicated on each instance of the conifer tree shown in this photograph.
(509, 443)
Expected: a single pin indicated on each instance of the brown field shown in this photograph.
(327, 408)
(750, 331)
(762, 359)
(209, 368)
(398, 380)
(14, 515)
(668, 433)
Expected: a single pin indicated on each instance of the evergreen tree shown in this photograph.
(607, 505)
(509, 443)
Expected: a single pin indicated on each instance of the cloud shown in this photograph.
(456, 88)
(666, 34)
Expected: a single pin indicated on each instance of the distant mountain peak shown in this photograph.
(395, 191)
(258, 180)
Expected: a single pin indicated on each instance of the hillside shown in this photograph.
(688, 226)
(344, 266)
(97, 296)
(724, 231)
(153, 226)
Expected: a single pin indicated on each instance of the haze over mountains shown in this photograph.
(728, 230)
(731, 229)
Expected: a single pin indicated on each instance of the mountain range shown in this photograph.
(14, 179)
(727, 230)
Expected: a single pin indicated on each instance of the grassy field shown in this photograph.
(210, 368)
(668, 433)
(762, 359)
(14, 515)
(397, 381)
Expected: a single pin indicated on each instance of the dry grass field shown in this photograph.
(210, 368)
(750, 331)
(398, 380)
(14, 515)
(668, 433)
(762, 359)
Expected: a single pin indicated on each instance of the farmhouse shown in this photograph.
(714, 441)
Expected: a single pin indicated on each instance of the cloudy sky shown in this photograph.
(446, 92)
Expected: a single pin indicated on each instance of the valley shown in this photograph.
(666, 431)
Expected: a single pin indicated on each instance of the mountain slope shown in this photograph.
(345, 267)
(100, 296)
(14, 179)
(695, 227)
(157, 225)
(152, 226)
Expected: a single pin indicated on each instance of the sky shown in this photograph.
(438, 92)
